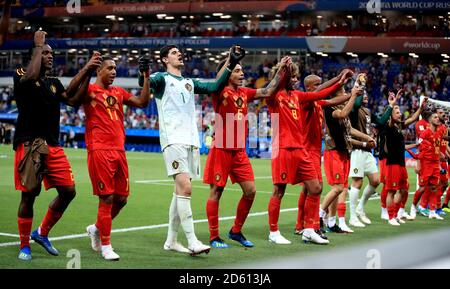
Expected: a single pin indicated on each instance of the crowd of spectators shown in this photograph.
(416, 76)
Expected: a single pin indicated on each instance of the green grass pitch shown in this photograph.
(151, 192)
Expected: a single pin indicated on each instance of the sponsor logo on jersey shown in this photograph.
(53, 89)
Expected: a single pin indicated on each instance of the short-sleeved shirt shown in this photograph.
(175, 100)
(38, 104)
(231, 123)
(430, 144)
(104, 118)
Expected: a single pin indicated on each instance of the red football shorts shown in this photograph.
(59, 170)
(316, 158)
(396, 178)
(222, 163)
(109, 172)
(293, 166)
(429, 173)
(444, 177)
(382, 164)
(337, 167)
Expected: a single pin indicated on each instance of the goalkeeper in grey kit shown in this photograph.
(179, 135)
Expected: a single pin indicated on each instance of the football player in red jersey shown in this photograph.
(311, 122)
(291, 162)
(227, 156)
(428, 163)
(105, 142)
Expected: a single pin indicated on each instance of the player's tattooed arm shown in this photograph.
(277, 81)
(77, 90)
(340, 98)
(34, 67)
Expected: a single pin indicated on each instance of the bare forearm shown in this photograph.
(34, 67)
(413, 118)
(274, 84)
(81, 93)
(347, 108)
(336, 100)
(328, 83)
(78, 79)
(360, 135)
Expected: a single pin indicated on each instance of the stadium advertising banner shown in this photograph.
(397, 45)
(192, 42)
(349, 5)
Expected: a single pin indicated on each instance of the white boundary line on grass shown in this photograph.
(76, 236)
(9, 235)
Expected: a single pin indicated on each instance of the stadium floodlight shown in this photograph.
(112, 17)
(64, 20)
(106, 30)
(134, 51)
(73, 50)
(216, 61)
(380, 53)
(206, 49)
(120, 18)
(349, 16)
(277, 20)
(319, 17)
(159, 16)
(320, 52)
(188, 49)
(264, 52)
(139, 17)
(225, 16)
(211, 59)
(324, 55)
(409, 16)
(19, 21)
(445, 55)
(293, 52)
(114, 51)
(192, 17)
(445, 60)
(217, 14)
(224, 53)
(183, 17)
(169, 17)
(351, 53)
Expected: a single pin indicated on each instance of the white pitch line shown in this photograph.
(9, 235)
(76, 236)
(168, 180)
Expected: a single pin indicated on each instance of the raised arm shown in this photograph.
(34, 67)
(345, 72)
(142, 101)
(76, 92)
(416, 115)
(276, 83)
(341, 98)
(387, 114)
(343, 113)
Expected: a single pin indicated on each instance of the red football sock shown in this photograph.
(242, 211)
(425, 198)
(432, 200)
(384, 193)
(417, 196)
(311, 211)
(212, 212)
(447, 196)
(50, 219)
(274, 213)
(24, 230)
(341, 209)
(440, 192)
(404, 200)
(301, 211)
(396, 208)
(391, 211)
(104, 222)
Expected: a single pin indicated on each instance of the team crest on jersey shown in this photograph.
(53, 88)
(111, 100)
(188, 87)
(394, 184)
(175, 165)
(291, 104)
(37, 83)
(338, 176)
(218, 177)
(355, 170)
(239, 102)
(101, 185)
(283, 176)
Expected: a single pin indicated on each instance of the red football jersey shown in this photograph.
(311, 122)
(430, 144)
(289, 106)
(104, 118)
(421, 126)
(444, 132)
(231, 123)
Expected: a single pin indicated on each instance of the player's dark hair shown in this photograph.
(164, 52)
